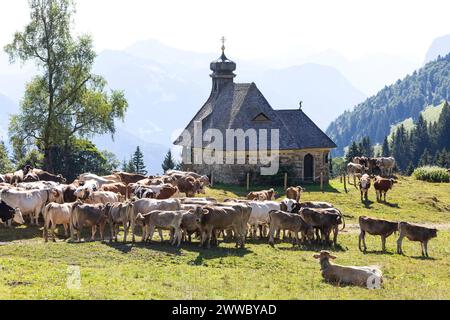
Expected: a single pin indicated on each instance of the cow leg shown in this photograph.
(362, 236)
(53, 232)
(144, 233)
(210, 234)
(94, 231)
(318, 235)
(295, 240)
(425, 246)
(102, 229)
(383, 243)
(65, 230)
(271, 235)
(202, 238)
(335, 234)
(161, 235)
(111, 231)
(132, 230)
(277, 236)
(125, 231)
(151, 231)
(45, 232)
(399, 243)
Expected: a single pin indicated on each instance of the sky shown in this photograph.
(256, 29)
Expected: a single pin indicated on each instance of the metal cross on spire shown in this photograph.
(223, 43)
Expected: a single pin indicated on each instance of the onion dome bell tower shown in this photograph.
(223, 71)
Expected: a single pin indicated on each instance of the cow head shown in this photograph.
(82, 193)
(288, 205)
(324, 255)
(61, 179)
(18, 217)
(56, 195)
(140, 218)
(198, 213)
(433, 233)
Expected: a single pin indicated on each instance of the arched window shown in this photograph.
(308, 168)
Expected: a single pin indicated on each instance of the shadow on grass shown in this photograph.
(379, 253)
(315, 247)
(20, 233)
(368, 204)
(423, 258)
(165, 247)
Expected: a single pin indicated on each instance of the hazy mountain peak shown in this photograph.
(439, 47)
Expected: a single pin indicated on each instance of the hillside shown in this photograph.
(430, 114)
(405, 99)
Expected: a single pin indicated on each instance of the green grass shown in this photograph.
(36, 270)
(31, 269)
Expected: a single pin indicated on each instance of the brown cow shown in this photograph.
(190, 186)
(117, 187)
(46, 176)
(382, 186)
(85, 215)
(69, 193)
(169, 220)
(375, 227)
(128, 178)
(8, 177)
(224, 218)
(119, 213)
(265, 195)
(415, 233)
(191, 220)
(325, 220)
(280, 220)
(294, 193)
(31, 177)
(364, 186)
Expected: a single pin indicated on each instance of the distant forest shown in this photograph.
(426, 144)
(405, 99)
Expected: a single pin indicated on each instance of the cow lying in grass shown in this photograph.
(370, 277)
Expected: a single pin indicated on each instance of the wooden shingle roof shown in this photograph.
(237, 105)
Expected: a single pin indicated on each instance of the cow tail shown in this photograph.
(343, 219)
(73, 221)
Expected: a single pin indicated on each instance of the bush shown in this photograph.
(432, 174)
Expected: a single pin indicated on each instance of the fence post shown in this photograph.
(345, 183)
(321, 181)
(248, 181)
(285, 181)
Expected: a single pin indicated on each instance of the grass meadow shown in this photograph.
(31, 269)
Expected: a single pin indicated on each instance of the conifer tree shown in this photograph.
(138, 162)
(169, 162)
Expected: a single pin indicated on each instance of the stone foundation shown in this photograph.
(291, 161)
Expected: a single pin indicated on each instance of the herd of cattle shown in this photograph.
(154, 204)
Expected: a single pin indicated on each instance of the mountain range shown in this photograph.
(405, 99)
(166, 86)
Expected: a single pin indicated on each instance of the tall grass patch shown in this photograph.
(432, 174)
